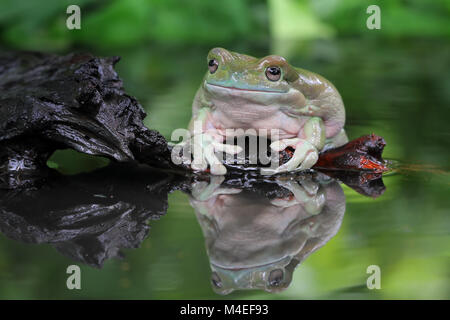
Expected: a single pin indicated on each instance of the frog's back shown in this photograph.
(322, 100)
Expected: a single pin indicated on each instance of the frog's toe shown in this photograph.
(316, 204)
(280, 145)
(310, 160)
(199, 165)
(305, 193)
(203, 190)
(305, 156)
(310, 186)
(288, 166)
(216, 167)
(298, 194)
(199, 191)
(268, 171)
(198, 162)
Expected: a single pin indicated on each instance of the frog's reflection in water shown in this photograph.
(255, 237)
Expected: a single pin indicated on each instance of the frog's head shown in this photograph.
(272, 277)
(271, 74)
(238, 81)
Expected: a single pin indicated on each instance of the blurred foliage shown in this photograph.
(122, 23)
(394, 82)
(40, 25)
(399, 18)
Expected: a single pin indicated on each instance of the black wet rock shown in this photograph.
(77, 101)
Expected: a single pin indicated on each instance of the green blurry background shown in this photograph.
(395, 82)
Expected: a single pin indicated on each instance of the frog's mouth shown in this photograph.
(221, 88)
(283, 261)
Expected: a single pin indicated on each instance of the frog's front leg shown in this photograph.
(205, 142)
(307, 146)
(203, 191)
(306, 193)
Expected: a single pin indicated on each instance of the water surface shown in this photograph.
(399, 91)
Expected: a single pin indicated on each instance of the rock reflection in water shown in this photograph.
(88, 217)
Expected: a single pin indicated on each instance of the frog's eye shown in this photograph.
(275, 277)
(273, 73)
(213, 65)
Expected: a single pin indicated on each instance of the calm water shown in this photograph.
(253, 242)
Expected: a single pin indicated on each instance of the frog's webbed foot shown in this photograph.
(306, 193)
(203, 190)
(305, 155)
(204, 146)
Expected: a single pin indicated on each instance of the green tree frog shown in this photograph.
(243, 92)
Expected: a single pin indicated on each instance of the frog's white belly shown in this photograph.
(258, 117)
